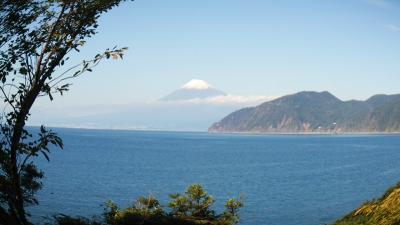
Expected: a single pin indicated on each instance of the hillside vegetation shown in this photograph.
(315, 112)
(383, 211)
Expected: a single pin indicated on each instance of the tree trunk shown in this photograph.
(18, 198)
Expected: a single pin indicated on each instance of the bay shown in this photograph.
(286, 179)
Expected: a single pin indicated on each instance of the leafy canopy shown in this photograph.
(36, 38)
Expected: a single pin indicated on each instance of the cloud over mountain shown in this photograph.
(194, 106)
(200, 92)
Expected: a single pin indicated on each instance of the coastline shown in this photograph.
(226, 132)
(307, 133)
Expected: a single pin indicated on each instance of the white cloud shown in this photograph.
(393, 27)
(186, 115)
(383, 4)
(227, 100)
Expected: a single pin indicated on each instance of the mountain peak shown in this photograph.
(326, 94)
(197, 85)
(194, 89)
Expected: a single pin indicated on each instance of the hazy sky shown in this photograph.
(348, 47)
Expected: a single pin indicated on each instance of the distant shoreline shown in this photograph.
(214, 132)
(119, 129)
(306, 133)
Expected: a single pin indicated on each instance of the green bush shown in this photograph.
(193, 207)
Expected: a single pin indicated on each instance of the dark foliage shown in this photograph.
(194, 207)
(36, 37)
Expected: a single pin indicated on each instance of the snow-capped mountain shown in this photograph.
(194, 89)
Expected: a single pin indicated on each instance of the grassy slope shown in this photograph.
(383, 211)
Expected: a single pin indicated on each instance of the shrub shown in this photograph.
(193, 207)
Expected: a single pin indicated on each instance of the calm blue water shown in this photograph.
(302, 180)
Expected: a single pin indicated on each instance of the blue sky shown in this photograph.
(348, 47)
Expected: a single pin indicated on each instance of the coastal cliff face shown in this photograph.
(319, 112)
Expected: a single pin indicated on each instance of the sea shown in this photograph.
(284, 179)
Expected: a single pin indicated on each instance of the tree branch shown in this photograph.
(39, 62)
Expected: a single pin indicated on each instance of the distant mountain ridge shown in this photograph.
(309, 111)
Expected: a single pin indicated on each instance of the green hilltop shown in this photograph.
(319, 112)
